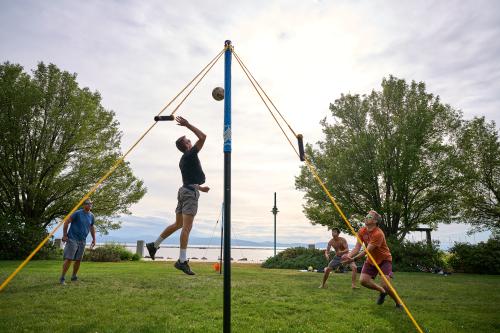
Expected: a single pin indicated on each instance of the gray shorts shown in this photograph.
(335, 262)
(187, 201)
(74, 249)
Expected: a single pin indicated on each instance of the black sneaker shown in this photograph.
(152, 250)
(381, 298)
(74, 278)
(399, 306)
(184, 266)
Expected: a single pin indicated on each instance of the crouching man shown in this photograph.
(374, 240)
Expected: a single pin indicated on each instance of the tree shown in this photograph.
(387, 151)
(56, 141)
(478, 162)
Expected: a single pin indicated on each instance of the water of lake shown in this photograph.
(211, 253)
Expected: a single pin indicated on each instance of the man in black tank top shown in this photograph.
(187, 197)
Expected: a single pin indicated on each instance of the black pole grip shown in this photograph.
(301, 147)
(164, 118)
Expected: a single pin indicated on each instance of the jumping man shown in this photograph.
(82, 221)
(340, 246)
(187, 196)
(374, 239)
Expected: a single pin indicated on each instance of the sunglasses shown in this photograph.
(369, 216)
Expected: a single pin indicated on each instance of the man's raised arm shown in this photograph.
(201, 136)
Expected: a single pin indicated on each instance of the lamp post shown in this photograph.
(275, 212)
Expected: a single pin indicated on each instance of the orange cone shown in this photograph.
(216, 266)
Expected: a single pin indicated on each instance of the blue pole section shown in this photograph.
(227, 188)
(227, 98)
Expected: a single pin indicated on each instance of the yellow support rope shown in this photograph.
(210, 64)
(255, 84)
(267, 106)
(113, 168)
(316, 176)
(214, 61)
(269, 99)
(382, 275)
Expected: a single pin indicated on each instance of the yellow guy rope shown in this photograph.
(269, 99)
(265, 103)
(113, 168)
(316, 176)
(382, 275)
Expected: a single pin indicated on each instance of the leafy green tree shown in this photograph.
(387, 151)
(56, 141)
(478, 162)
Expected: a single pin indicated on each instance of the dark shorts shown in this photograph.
(74, 249)
(385, 267)
(187, 201)
(335, 262)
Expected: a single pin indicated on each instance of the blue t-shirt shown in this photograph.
(80, 224)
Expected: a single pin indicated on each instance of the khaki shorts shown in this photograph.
(74, 249)
(187, 201)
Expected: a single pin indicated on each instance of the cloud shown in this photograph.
(138, 55)
(451, 46)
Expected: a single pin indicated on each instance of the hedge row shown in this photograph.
(481, 258)
(110, 252)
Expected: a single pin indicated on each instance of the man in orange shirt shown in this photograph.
(374, 239)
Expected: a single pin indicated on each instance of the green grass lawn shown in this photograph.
(154, 297)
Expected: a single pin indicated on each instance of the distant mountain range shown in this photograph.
(205, 241)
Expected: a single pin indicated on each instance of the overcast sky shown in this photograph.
(139, 54)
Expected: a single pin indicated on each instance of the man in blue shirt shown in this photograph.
(82, 221)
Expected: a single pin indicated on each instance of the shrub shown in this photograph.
(298, 258)
(415, 256)
(19, 239)
(406, 256)
(110, 252)
(49, 251)
(481, 258)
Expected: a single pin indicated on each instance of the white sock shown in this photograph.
(182, 255)
(158, 242)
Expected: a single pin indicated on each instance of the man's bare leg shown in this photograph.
(182, 264)
(367, 281)
(354, 270)
(173, 227)
(325, 277)
(187, 224)
(76, 267)
(154, 246)
(65, 267)
(389, 290)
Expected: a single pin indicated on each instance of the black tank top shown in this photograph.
(190, 166)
